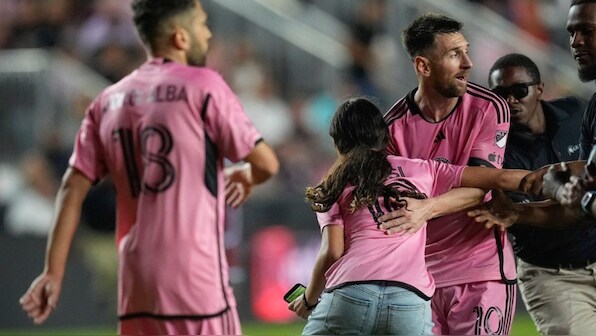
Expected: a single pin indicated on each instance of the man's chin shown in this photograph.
(587, 73)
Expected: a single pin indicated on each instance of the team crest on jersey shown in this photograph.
(501, 139)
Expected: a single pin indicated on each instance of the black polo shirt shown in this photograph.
(588, 131)
(549, 247)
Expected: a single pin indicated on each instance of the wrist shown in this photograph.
(558, 195)
(307, 304)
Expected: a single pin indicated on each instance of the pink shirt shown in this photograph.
(475, 133)
(161, 134)
(369, 253)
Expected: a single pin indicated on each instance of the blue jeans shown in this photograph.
(370, 309)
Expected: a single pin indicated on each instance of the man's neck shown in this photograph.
(434, 106)
(537, 124)
(172, 56)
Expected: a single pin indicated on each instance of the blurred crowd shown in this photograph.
(101, 35)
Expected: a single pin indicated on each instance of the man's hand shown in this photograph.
(40, 299)
(532, 183)
(573, 191)
(554, 180)
(409, 218)
(239, 183)
(498, 212)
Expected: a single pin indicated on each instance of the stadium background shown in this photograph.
(290, 61)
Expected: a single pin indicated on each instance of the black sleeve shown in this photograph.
(586, 139)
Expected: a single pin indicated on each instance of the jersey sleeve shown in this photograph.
(489, 146)
(232, 130)
(87, 156)
(446, 176)
(331, 217)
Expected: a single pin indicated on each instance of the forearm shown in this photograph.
(455, 200)
(491, 178)
(263, 163)
(66, 220)
(332, 248)
(549, 215)
(576, 167)
(317, 281)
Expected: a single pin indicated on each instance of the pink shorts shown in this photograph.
(227, 323)
(479, 308)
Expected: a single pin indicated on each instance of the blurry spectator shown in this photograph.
(114, 61)
(256, 89)
(10, 182)
(367, 23)
(31, 209)
(526, 15)
(110, 22)
(374, 53)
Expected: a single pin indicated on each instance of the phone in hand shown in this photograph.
(294, 293)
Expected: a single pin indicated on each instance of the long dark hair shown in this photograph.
(361, 136)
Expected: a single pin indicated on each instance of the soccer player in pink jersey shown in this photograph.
(161, 134)
(449, 119)
(373, 283)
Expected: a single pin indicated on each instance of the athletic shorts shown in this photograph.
(479, 308)
(227, 323)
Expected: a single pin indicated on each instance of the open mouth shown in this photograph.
(462, 79)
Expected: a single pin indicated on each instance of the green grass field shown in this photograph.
(522, 326)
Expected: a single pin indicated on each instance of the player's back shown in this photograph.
(371, 254)
(165, 130)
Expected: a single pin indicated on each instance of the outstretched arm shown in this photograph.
(41, 297)
(532, 183)
(544, 214)
(418, 212)
(332, 248)
(491, 178)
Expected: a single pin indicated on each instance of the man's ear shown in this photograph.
(422, 66)
(540, 89)
(181, 39)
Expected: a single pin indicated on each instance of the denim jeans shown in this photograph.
(370, 309)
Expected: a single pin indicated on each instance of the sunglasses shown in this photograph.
(517, 90)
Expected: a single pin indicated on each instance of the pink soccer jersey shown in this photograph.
(458, 249)
(161, 134)
(370, 254)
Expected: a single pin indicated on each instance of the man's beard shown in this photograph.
(195, 56)
(587, 73)
(449, 90)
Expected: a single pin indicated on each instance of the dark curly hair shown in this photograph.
(151, 15)
(361, 136)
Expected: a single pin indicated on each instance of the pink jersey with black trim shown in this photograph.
(161, 134)
(458, 249)
(370, 254)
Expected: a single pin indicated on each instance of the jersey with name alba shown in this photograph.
(161, 134)
(372, 255)
(458, 249)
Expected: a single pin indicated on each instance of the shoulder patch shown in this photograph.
(501, 139)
